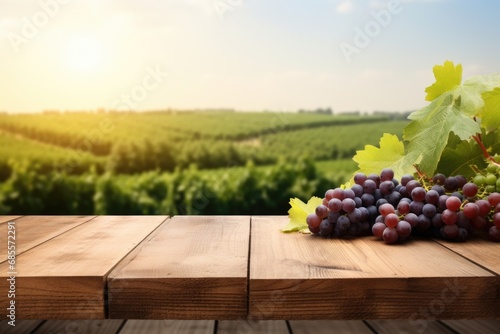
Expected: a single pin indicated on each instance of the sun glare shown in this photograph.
(84, 54)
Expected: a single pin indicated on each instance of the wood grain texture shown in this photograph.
(483, 252)
(168, 326)
(191, 268)
(329, 326)
(474, 326)
(80, 326)
(22, 326)
(295, 277)
(34, 230)
(408, 327)
(65, 277)
(252, 326)
(4, 219)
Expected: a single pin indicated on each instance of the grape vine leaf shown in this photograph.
(299, 212)
(427, 136)
(458, 160)
(448, 77)
(390, 154)
(490, 114)
(470, 92)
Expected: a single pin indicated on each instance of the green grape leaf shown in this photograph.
(448, 77)
(458, 160)
(390, 154)
(428, 135)
(299, 212)
(470, 92)
(490, 114)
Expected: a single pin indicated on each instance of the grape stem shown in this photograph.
(486, 154)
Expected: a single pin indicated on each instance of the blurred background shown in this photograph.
(213, 106)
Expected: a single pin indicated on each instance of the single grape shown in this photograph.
(479, 180)
(451, 183)
(463, 235)
(491, 168)
(496, 219)
(412, 219)
(343, 223)
(349, 193)
(416, 207)
(470, 189)
(405, 179)
(373, 212)
(453, 203)
(355, 216)
(432, 197)
(440, 190)
(494, 233)
(367, 199)
(404, 192)
(387, 174)
(494, 199)
(314, 230)
(391, 220)
(338, 193)
(403, 228)
(386, 209)
(358, 201)
(394, 198)
(497, 208)
(325, 228)
(369, 186)
(412, 185)
(321, 211)
(348, 205)
(442, 202)
(390, 235)
(491, 179)
(463, 221)
(403, 208)
(378, 229)
(358, 190)
(364, 214)
(471, 210)
(418, 194)
(449, 217)
(379, 219)
(386, 187)
(450, 231)
(335, 205)
(359, 178)
(329, 194)
(484, 207)
(313, 220)
(325, 202)
(436, 221)
(457, 195)
(424, 223)
(429, 210)
(439, 179)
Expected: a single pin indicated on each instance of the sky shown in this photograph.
(282, 55)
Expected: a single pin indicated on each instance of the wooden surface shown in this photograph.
(190, 268)
(4, 219)
(482, 252)
(64, 278)
(238, 267)
(250, 327)
(34, 230)
(306, 277)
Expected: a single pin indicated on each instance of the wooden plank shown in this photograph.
(474, 326)
(295, 277)
(34, 230)
(65, 277)
(483, 252)
(191, 268)
(168, 326)
(408, 326)
(80, 326)
(252, 326)
(329, 326)
(22, 326)
(4, 219)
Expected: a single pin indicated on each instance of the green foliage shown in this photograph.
(458, 111)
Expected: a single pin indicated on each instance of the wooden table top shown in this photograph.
(237, 267)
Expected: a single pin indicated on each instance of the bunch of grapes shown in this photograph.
(447, 207)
